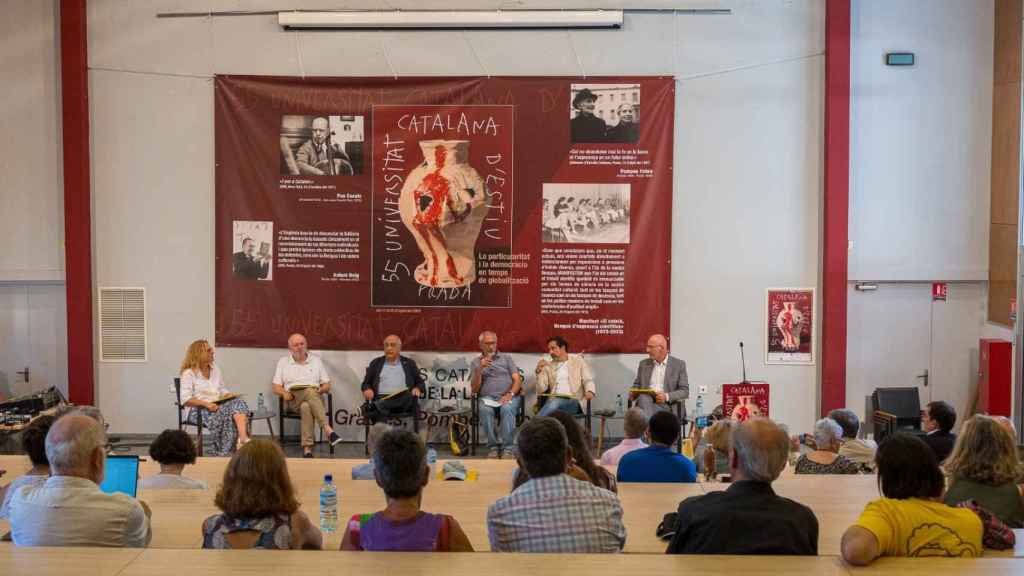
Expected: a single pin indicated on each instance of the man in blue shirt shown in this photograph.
(657, 462)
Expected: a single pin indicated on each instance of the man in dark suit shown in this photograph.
(748, 518)
(938, 419)
(393, 383)
(246, 265)
(665, 374)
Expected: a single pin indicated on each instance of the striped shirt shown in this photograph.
(557, 514)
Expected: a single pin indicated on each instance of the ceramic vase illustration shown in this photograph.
(443, 204)
(746, 409)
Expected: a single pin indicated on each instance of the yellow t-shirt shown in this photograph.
(916, 527)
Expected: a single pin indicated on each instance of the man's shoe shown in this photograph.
(508, 453)
(307, 454)
(334, 439)
(493, 453)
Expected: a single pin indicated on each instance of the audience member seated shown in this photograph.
(633, 424)
(718, 440)
(825, 459)
(748, 518)
(258, 504)
(984, 467)
(69, 509)
(657, 462)
(33, 443)
(580, 468)
(365, 471)
(938, 419)
(401, 470)
(857, 450)
(173, 449)
(910, 520)
(201, 389)
(552, 512)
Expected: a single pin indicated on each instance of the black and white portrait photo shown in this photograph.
(586, 213)
(252, 250)
(321, 145)
(605, 113)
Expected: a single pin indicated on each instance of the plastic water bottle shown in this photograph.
(699, 416)
(328, 505)
(259, 402)
(432, 461)
(619, 410)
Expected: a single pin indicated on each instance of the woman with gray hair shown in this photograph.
(826, 459)
(401, 470)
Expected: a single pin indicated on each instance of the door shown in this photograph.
(33, 338)
(888, 343)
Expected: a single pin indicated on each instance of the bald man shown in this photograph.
(300, 378)
(393, 384)
(319, 156)
(748, 518)
(664, 374)
(69, 509)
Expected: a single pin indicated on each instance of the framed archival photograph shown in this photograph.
(790, 325)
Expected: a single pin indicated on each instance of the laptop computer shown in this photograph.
(121, 475)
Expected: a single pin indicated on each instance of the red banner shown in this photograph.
(435, 208)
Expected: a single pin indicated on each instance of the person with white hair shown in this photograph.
(826, 459)
(495, 381)
(748, 518)
(69, 509)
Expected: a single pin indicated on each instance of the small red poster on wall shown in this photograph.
(742, 402)
(789, 325)
(939, 291)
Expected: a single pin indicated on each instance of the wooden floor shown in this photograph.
(178, 515)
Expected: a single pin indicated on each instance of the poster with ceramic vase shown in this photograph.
(789, 326)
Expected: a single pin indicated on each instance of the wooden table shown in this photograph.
(178, 514)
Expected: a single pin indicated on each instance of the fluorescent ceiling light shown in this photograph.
(419, 19)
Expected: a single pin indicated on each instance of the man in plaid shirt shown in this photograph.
(553, 512)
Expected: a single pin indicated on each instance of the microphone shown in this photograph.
(743, 361)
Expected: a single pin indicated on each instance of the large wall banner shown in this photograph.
(434, 208)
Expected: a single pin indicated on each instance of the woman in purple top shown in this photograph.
(401, 470)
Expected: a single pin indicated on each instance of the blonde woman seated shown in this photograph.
(984, 467)
(401, 470)
(826, 459)
(258, 504)
(716, 452)
(201, 387)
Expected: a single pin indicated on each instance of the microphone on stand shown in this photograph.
(743, 361)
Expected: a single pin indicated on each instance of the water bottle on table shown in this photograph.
(619, 410)
(328, 505)
(699, 418)
(259, 402)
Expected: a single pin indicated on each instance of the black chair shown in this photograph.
(678, 406)
(475, 418)
(283, 412)
(183, 420)
(391, 418)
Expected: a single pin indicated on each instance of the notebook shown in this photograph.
(121, 475)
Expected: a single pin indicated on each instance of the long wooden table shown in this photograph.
(156, 562)
(178, 514)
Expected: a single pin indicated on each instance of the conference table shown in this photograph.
(178, 515)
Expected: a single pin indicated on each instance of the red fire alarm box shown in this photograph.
(995, 365)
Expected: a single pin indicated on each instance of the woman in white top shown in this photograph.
(173, 449)
(201, 387)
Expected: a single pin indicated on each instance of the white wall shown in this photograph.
(921, 140)
(33, 321)
(747, 188)
(920, 196)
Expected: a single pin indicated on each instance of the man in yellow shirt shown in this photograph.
(910, 520)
